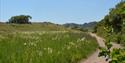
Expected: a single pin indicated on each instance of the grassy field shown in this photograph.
(44, 46)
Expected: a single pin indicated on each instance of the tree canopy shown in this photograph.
(21, 19)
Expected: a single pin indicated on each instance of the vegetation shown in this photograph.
(113, 22)
(43, 43)
(23, 42)
(112, 56)
(113, 26)
(45, 47)
(43, 26)
(21, 19)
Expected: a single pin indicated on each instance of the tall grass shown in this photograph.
(45, 47)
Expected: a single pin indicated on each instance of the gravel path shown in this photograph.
(94, 57)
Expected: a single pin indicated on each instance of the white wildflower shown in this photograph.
(24, 44)
(32, 44)
(50, 50)
(71, 43)
(68, 47)
(83, 39)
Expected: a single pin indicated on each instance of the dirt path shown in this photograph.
(94, 57)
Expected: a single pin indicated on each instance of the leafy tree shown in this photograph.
(21, 19)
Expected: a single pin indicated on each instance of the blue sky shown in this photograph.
(57, 11)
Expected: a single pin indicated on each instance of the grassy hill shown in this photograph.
(32, 27)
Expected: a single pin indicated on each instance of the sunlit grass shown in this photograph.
(45, 47)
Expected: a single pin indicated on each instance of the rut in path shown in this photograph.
(94, 57)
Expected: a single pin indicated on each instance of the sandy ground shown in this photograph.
(94, 57)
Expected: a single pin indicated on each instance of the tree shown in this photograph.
(21, 19)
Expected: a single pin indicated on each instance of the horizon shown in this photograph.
(55, 11)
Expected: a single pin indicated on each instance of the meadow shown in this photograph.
(45, 46)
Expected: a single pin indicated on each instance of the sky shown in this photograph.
(57, 11)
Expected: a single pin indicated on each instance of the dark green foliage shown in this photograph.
(21, 19)
(119, 38)
(103, 52)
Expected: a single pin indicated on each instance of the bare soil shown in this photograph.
(94, 57)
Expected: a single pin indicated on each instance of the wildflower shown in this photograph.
(68, 47)
(71, 43)
(32, 44)
(83, 39)
(50, 50)
(24, 44)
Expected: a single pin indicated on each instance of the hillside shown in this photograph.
(86, 26)
(43, 26)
